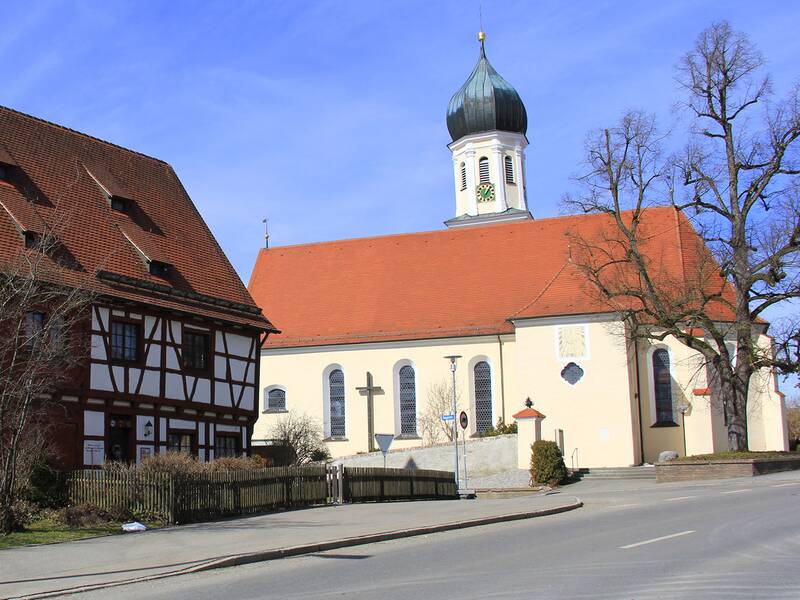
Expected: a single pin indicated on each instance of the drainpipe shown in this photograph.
(502, 382)
(639, 399)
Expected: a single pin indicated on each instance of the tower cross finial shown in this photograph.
(266, 232)
(481, 33)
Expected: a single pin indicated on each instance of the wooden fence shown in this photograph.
(203, 496)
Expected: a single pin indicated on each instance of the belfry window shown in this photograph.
(463, 176)
(509, 169)
(408, 401)
(483, 169)
(662, 386)
(336, 395)
(483, 396)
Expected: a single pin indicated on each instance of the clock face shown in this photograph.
(485, 192)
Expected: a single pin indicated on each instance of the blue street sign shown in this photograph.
(448, 417)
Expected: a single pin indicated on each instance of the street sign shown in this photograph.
(462, 418)
(448, 417)
(384, 440)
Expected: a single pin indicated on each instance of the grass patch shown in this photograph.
(729, 455)
(47, 530)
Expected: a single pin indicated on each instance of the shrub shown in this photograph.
(46, 487)
(239, 463)
(547, 463)
(171, 463)
(500, 429)
(89, 515)
(22, 513)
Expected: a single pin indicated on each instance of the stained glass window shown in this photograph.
(336, 394)
(408, 401)
(662, 382)
(483, 396)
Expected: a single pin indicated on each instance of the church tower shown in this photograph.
(487, 122)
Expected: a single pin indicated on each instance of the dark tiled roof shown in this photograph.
(57, 184)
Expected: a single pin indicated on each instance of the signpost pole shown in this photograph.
(453, 358)
(464, 452)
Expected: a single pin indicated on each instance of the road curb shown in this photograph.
(290, 551)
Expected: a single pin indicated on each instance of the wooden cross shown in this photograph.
(370, 391)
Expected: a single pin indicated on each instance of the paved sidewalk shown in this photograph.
(108, 560)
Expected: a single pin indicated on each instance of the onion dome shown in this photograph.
(486, 102)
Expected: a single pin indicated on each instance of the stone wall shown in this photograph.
(485, 456)
(722, 469)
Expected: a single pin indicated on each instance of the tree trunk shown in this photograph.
(734, 402)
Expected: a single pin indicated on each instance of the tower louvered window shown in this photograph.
(336, 394)
(662, 385)
(483, 169)
(408, 401)
(509, 168)
(463, 176)
(483, 396)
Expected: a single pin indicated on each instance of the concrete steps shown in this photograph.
(643, 472)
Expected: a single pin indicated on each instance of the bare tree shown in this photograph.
(43, 346)
(440, 402)
(302, 436)
(741, 190)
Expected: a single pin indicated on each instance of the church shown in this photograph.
(367, 325)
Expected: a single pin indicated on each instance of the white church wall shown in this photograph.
(300, 372)
(595, 412)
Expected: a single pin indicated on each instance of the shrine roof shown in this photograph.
(442, 284)
(62, 181)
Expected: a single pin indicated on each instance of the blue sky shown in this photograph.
(328, 117)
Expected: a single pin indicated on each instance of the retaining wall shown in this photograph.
(485, 456)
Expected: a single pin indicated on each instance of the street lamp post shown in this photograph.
(453, 358)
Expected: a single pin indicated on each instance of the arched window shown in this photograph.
(509, 168)
(463, 176)
(276, 399)
(662, 384)
(483, 169)
(408, 401)
(336, 395)
(483, 396)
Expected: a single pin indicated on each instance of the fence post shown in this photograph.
(340, 483)
(172, 515)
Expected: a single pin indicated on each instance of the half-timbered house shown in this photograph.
(175, 336)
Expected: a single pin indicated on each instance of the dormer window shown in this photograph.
(159, 269)
(3, 173)
(31, 239)
(119, 204)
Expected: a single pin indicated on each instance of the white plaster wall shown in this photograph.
(300, 372)
(595, 413)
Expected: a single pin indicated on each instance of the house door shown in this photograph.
(119, 438)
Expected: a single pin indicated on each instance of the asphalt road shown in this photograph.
(733, 539)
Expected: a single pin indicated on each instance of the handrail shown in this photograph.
(574, 458)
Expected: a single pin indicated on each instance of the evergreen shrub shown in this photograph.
(547, 463)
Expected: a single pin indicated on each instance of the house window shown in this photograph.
(119, 204)
(509, 168)
(483, 169)
(226, 446)
(336, 394)
(276, 400)
(195, 350)
(125, 341)
(159, 269)
(463, 176)
(34, 324)
(178, 441)
(3, 173)
(483, 396)
(31, 239)
(408, 401)
(662, 382)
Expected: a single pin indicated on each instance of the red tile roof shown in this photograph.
(528, 413)
(57, 181)
(455, 282)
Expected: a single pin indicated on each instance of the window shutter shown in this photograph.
(483, 169)
(509, 169)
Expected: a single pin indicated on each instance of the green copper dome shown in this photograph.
(486, 102)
